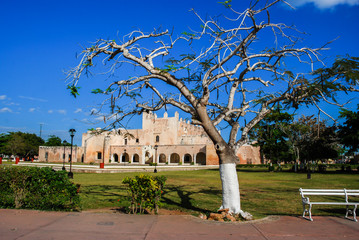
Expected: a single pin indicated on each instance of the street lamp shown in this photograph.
(72, 134)
(155, 171)
(64, 156)
(124, 156)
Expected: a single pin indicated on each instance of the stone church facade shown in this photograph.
(166, 140)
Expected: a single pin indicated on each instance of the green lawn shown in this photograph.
(262, 193)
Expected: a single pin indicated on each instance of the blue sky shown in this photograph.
(40, 39)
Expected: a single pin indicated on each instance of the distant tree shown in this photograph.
(270, 137)
(349, 130)
(16, 145)
(21, 144)
(313, 140)
(53, 141)
(4, 138)
(222, 75)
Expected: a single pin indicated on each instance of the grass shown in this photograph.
(262, 193)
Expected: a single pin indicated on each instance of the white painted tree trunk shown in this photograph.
(230, 188)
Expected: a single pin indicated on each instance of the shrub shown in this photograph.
(322, 168)
(145, 192)
(37, 188)
(270, 168)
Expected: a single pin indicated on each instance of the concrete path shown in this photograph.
(37, 225)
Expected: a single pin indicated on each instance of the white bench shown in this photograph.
(329, 192)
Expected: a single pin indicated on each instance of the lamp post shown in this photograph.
(72, 134)
(124, 156)
(64, 156)
(155, 171)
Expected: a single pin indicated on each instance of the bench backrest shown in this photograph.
(329, 192)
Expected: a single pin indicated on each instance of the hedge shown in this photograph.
(37, 188)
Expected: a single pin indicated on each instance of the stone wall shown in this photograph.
(57, 154)
(167, 140)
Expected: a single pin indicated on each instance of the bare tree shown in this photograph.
(228, 75)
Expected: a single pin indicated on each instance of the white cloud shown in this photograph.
(324, 3)
(2, 97)
(78, 110)
(5, 109)
(11, 129)
(33, 99)
(62, 111)
(32, 109)
(100, 118)
(12, 104)
(50, 111)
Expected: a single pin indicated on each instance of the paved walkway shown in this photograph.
(31, 225)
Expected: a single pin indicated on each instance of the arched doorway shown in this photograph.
(115, 158)
(187, 158)
(201, 158)
(175, 158)
(125, 158)
(136, 158)
(162, 158)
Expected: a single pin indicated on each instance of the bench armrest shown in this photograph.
(305, 200)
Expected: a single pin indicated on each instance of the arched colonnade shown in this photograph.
(153, 156)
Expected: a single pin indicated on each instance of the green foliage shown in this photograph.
(20, 144)
(271, 138)
(189, 34)
(346, 68)
(226, 3)
(96, 91)
(349, 130)
(282, 140)
(145, 191)
(4, 139)
(53, 141)
(37, 188)
(271, 168)
(100, 91)
(326, 81)
(74, 91)
(313, 139)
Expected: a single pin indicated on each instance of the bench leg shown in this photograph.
(309, 211)
(353, 212)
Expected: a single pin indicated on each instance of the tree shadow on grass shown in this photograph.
(105, 193)
(118, 195)
(186, 197)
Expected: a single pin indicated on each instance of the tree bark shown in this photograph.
(230, 188)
